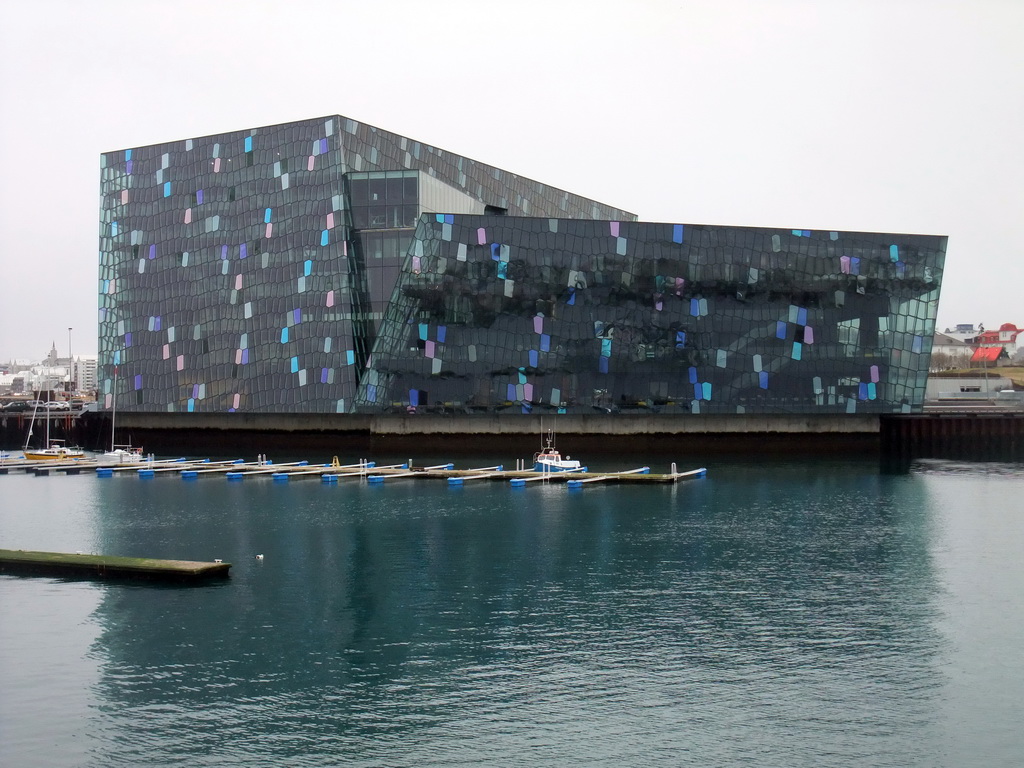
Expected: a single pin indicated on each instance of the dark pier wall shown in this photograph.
(315, 435)
(977, 436)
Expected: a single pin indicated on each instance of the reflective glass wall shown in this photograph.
(521, 315)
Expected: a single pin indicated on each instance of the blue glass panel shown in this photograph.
(780, 330)
(533, 358)
(762, 379)
(677, 233)
(693, 375)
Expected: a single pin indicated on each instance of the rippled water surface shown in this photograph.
(771, 614)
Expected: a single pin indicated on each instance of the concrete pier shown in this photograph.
(107, 567)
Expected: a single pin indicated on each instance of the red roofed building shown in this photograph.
(989, 344)
(989, 355)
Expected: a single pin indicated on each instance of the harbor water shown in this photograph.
(789, 613)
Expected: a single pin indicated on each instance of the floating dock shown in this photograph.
(107, 567)
(238, 469)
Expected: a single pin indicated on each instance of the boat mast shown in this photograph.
(113, 411)
(31, 426)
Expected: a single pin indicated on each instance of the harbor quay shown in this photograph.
(961, 434)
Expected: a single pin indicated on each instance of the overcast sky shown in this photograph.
(891, 116)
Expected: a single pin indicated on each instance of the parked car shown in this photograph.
(58, 405)
(17, 405)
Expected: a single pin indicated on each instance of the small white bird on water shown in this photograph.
(259, 557)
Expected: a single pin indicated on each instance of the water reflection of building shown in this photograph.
(329, 266)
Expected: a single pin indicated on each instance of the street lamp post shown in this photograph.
(71, 366)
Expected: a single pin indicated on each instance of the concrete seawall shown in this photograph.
(464, 434)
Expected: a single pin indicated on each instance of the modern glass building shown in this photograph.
(328, 266)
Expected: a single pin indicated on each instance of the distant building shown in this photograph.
(85, 373)
(327, 266)
(949, 353)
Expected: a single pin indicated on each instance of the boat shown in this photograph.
(121, 454)
(118, 454)
(55, 451)
(548, 459)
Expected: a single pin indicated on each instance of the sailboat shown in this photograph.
(55, 450)
(119, 454)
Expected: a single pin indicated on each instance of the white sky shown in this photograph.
(873, 115)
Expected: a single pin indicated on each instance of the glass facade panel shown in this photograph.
(522, 315)
(257, 232)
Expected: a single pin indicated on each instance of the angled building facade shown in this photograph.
(327, 266)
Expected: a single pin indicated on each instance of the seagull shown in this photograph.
(259, 557)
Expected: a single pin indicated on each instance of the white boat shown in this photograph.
(548, 459)
(118, 454)
(121, 454)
